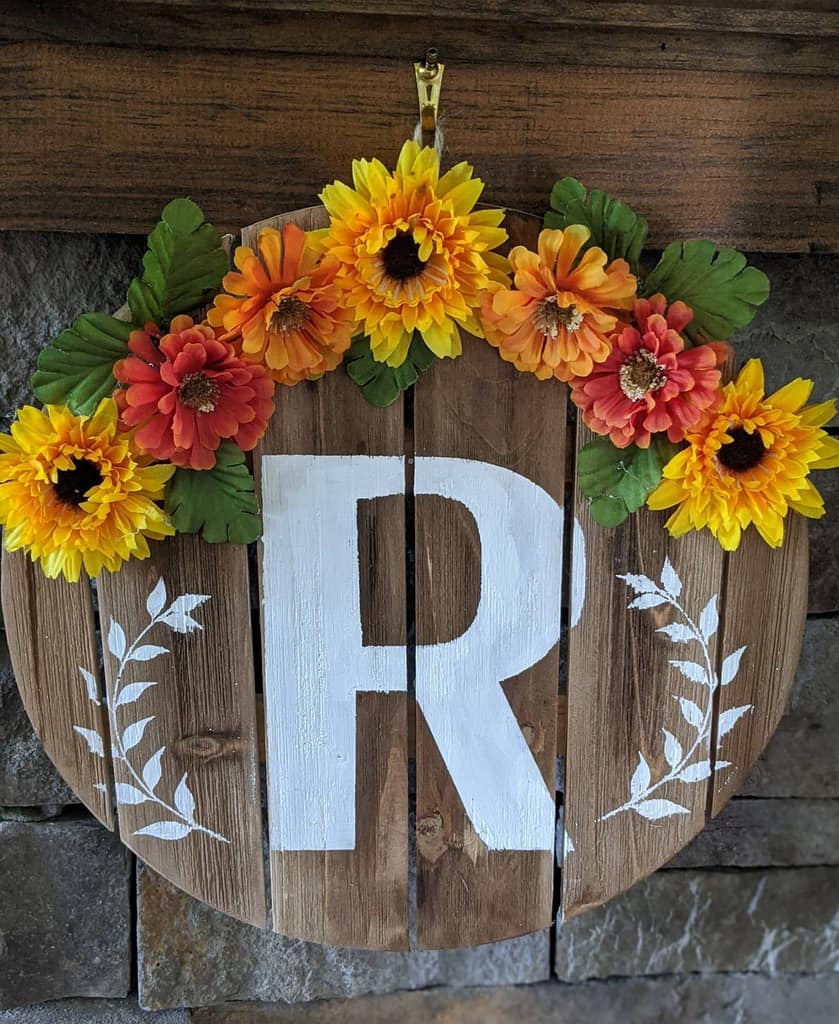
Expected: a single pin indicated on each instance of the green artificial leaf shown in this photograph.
(618, 480)
(182, 268)
(218, 503)
(718, 284)
(381, 384)
(608, 512)
(615, 227)
(76, 368)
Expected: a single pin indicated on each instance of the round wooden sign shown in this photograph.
(421, 567)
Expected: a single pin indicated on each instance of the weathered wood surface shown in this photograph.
(764, 610)
(200, 713)
(749, 89)
(478, 407)
(355, 897)
(621, 690)
(711, 36)
(52, 636)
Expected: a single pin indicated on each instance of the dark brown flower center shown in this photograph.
(549, 316)
(72, 485)
(198, 392)
(640, 375)
(290, 314)
(745, 451)
(401, 257)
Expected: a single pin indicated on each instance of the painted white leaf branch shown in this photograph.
(144, 781)
(694, 763)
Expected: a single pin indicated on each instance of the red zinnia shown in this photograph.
(650, 383)
(187, 391)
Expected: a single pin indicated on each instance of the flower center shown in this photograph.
(640, 375)
(745, 451)
(550, 316)
(198, 392)
(290, 314)
(401, 257)
(72, 485)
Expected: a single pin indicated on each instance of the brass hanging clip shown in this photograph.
(429, 73)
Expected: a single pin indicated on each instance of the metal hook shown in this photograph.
(429, 74)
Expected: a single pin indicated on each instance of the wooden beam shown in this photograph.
(654, 36)
(774, 17)
(748, 157)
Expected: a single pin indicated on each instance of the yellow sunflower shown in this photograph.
(748, 461)
(413, 253)
(77, 493)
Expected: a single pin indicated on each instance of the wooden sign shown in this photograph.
(416, 569)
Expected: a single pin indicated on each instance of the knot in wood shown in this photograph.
(206, 747)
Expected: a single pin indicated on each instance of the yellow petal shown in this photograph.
(792, 396)
(440, 339)
(398, 356)
(667, 494)
(407, 156)
(818, 415)
(828, 454)
(465, 195)
(750, 377)
(455, 176)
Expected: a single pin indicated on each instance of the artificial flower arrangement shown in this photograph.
(146, 419)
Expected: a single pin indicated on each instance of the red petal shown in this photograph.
(156, 437)
(192, 359)
(183, 427)
(141, 344)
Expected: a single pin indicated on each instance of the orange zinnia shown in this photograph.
(187, 391)
(282, 307)
(557, 320)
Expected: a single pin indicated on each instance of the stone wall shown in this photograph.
(742, 926)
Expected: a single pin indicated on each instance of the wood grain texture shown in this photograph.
(51, 634)
(621, 690)
(353, 897)
(708, 37)
(764, 608)
(203, 710)
(478, 407)
(762, 147)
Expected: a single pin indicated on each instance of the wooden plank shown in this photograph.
(51, 634)
(765, 611)
(75, 160)
(359, 896)
(186, 745)
(478, 407)
(772, 17)
(621, 690)
(651, 36)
